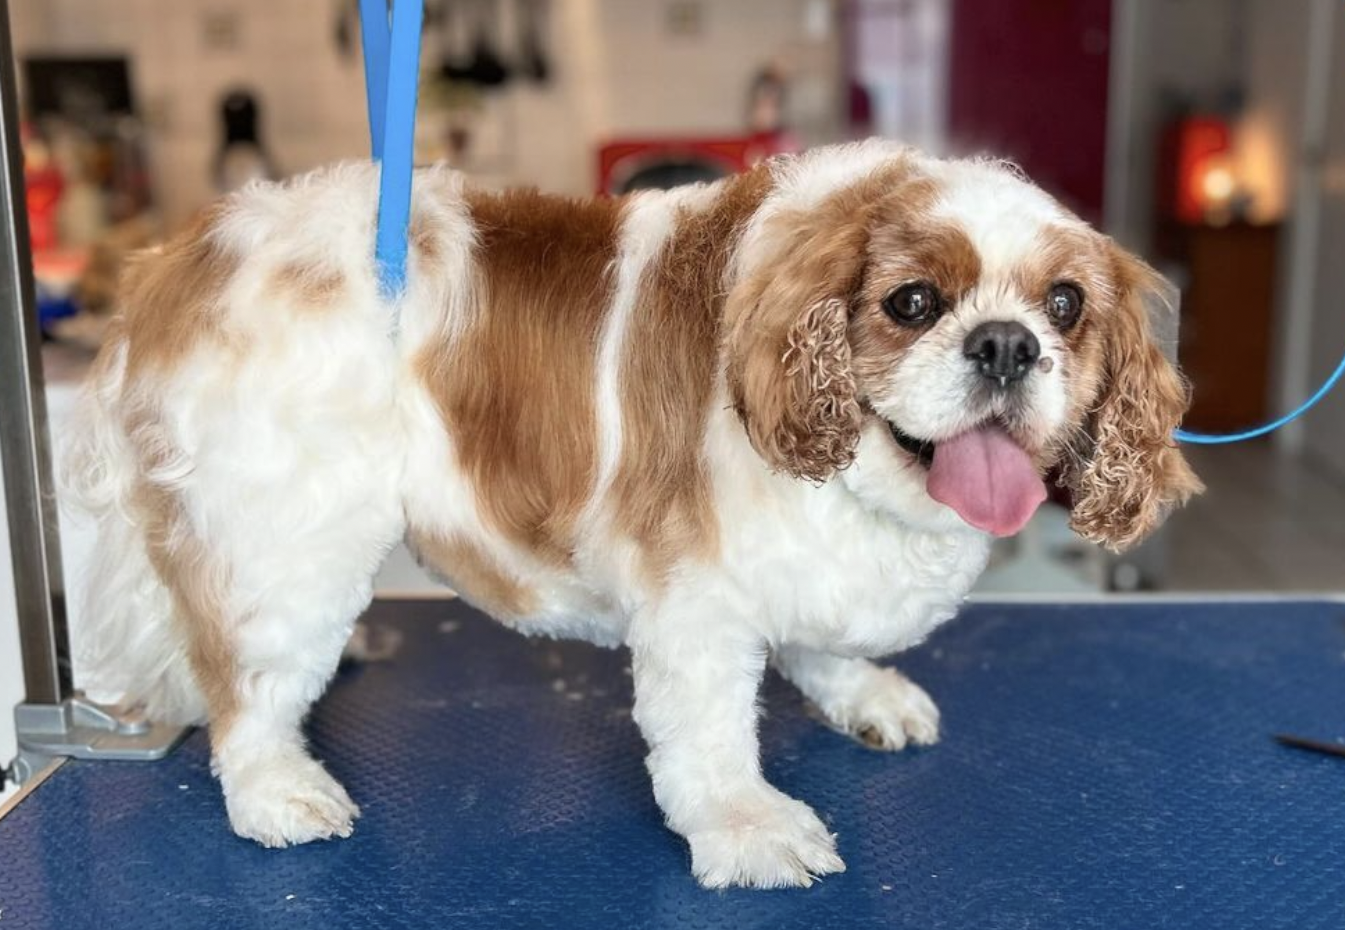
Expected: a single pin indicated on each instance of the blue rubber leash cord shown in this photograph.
(1219, 439)
(391, 76)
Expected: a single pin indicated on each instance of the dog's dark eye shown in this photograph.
(1064, 304)
(913, 304)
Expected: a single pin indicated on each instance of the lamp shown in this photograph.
(1200, 184)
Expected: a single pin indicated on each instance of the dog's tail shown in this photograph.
(128, 647)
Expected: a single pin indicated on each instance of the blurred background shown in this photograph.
(1207, 134)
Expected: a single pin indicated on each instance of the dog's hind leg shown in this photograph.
(268, 537)
(880, 707)
(275, 792)
(287, 570)
(268, 575)
(303, 525)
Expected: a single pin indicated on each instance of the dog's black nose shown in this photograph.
(1002, 351)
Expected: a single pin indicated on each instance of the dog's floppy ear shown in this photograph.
(1133, 474)
(788, 351)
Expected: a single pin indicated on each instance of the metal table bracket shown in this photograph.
(80, 729)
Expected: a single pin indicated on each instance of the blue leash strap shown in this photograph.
(391, 72)
(1219, 439)
(375, 33)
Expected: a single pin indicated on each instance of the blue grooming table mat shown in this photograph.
(1104, 766)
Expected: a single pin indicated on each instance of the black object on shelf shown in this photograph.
(533, 60)
(242, 156)
(78, 87)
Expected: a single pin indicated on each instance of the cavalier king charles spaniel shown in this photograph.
(775, 419)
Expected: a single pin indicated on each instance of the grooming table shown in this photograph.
(1104, 766)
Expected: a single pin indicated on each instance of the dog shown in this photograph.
(777, 419)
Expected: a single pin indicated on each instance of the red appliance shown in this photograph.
(44, 185)
(1190, 148)
(632, 164)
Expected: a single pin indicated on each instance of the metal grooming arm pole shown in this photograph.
(53, 720)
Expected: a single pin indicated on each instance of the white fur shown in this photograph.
(301, 469)
(879, 705)
(804, 182)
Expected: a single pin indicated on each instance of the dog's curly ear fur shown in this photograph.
(1134, 474)
(788, 351)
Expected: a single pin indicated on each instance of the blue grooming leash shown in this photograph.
(1219, 439)
(391, 71)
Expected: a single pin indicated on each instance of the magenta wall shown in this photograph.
(1028, 80)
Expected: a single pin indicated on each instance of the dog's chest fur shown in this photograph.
(866, 593)
(836, 566)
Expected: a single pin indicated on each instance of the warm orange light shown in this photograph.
(1217, 183)
(1194, 148)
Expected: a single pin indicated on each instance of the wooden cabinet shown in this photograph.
(1227, 332)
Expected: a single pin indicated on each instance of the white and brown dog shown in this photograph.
(774, 419)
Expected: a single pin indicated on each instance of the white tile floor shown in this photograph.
(1267, 523)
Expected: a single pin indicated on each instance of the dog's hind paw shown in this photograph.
(285, 803)
(780, 843)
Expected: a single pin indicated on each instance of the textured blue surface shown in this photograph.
(1104, 767)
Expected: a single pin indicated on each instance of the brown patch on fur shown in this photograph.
(474, 574)
(170, 302)
(1073, 256)
(423, 235)
(185, 565)
(1134, 473)
(189, 572)
(170, 297)
(907, 246)
(516, 390)
(311, 286)
(1061, 254)
(661, 494)
(789, 355)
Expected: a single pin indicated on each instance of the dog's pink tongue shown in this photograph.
(988, 479)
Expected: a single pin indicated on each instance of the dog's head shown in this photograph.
(954, 333)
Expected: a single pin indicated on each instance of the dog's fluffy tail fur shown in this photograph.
(128, 648)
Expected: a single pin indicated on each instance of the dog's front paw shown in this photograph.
(775, 842)
(286, 802)
(890, 710)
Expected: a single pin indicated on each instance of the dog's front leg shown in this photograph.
(697, 673)
(880, 707)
